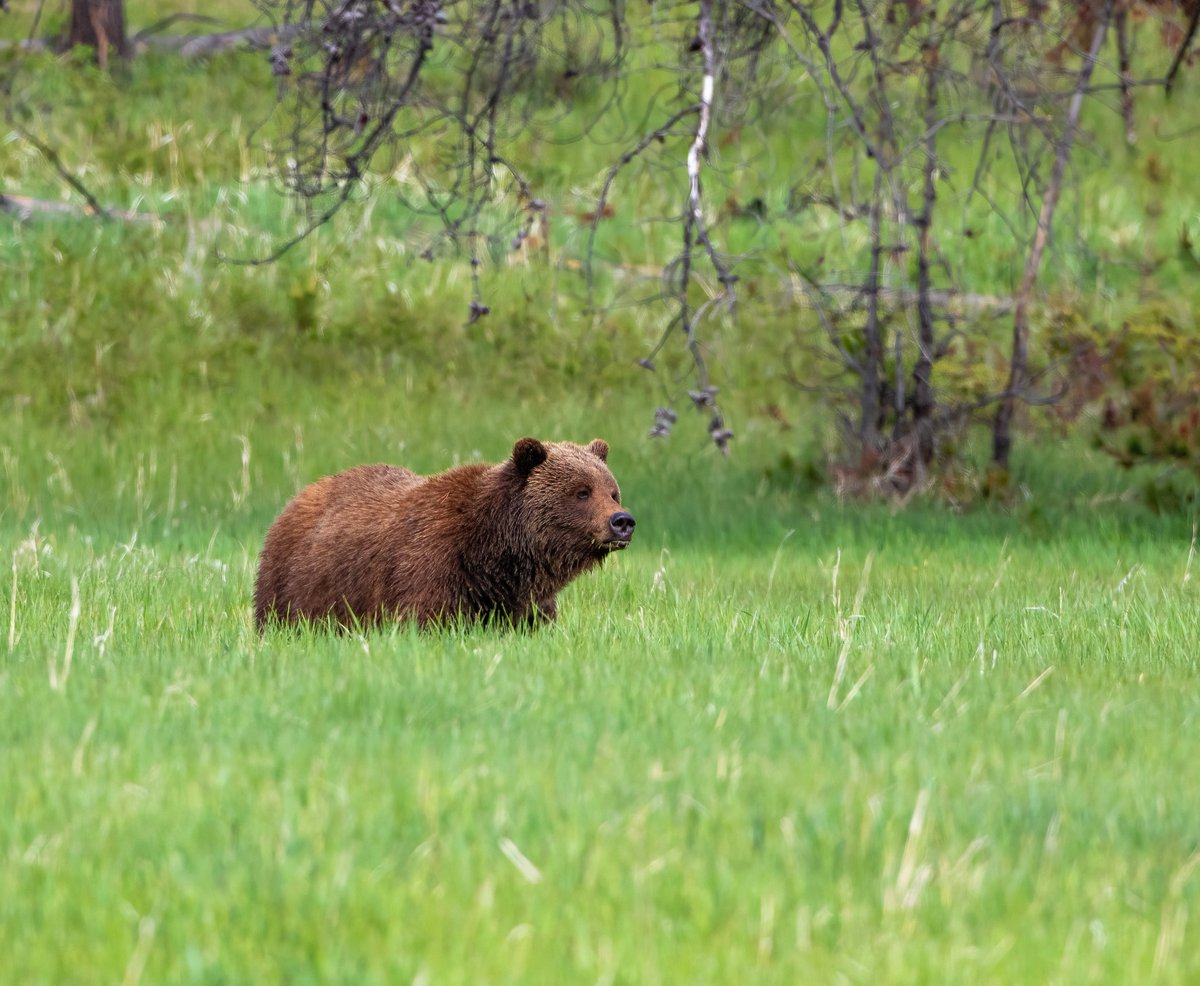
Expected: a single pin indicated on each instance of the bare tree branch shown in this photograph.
(656, 136)
(1184, 45)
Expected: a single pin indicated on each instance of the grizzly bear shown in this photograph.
(477, 542)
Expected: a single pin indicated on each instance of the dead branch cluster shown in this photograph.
(361, 80)
(893, 78)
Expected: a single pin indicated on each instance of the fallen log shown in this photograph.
(25, 208)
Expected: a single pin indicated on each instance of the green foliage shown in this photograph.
(1140, 385)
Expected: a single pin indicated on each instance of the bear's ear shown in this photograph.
(599, 448)
(528, 454)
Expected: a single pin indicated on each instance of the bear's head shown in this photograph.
(573, 503)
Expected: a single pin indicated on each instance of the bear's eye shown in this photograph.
(616, 497)
(583, 494)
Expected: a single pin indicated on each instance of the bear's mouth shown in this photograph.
(613, 544)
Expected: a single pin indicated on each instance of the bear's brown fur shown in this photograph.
(476, 542)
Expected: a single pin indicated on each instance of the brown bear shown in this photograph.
(478, 542)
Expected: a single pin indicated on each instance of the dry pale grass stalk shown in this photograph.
(100, 640)
(1036, 683)
(81, 747)
(1173, 923)
(59, 675)
(1128, 575)
(1005, 558)
(147, 927)
(172, 489)
(766, 928)
(912, 875)
(778, 553)
(242, 493)
(12, 609)
(1187, 568)
(856, 687)
(845, 628)
(514, 855)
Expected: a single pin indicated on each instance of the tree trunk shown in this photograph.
(873, 362)
(1126, 76)
(923, 397)
(99, 24)
(1018, 375)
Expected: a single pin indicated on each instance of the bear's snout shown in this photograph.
(621, 524)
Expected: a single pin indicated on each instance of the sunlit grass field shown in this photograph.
(783, 738)
(779, 739)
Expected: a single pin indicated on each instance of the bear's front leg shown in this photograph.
(542, 611)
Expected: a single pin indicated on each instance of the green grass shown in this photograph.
(739, 755)
(781, 739)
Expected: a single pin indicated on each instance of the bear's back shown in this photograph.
(370, 540)
(373, 481)
(323, 526)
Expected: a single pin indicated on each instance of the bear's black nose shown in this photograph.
(621, 524)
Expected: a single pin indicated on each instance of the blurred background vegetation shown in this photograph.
(195, 132)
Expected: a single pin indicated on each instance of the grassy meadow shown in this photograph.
(783, 738)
